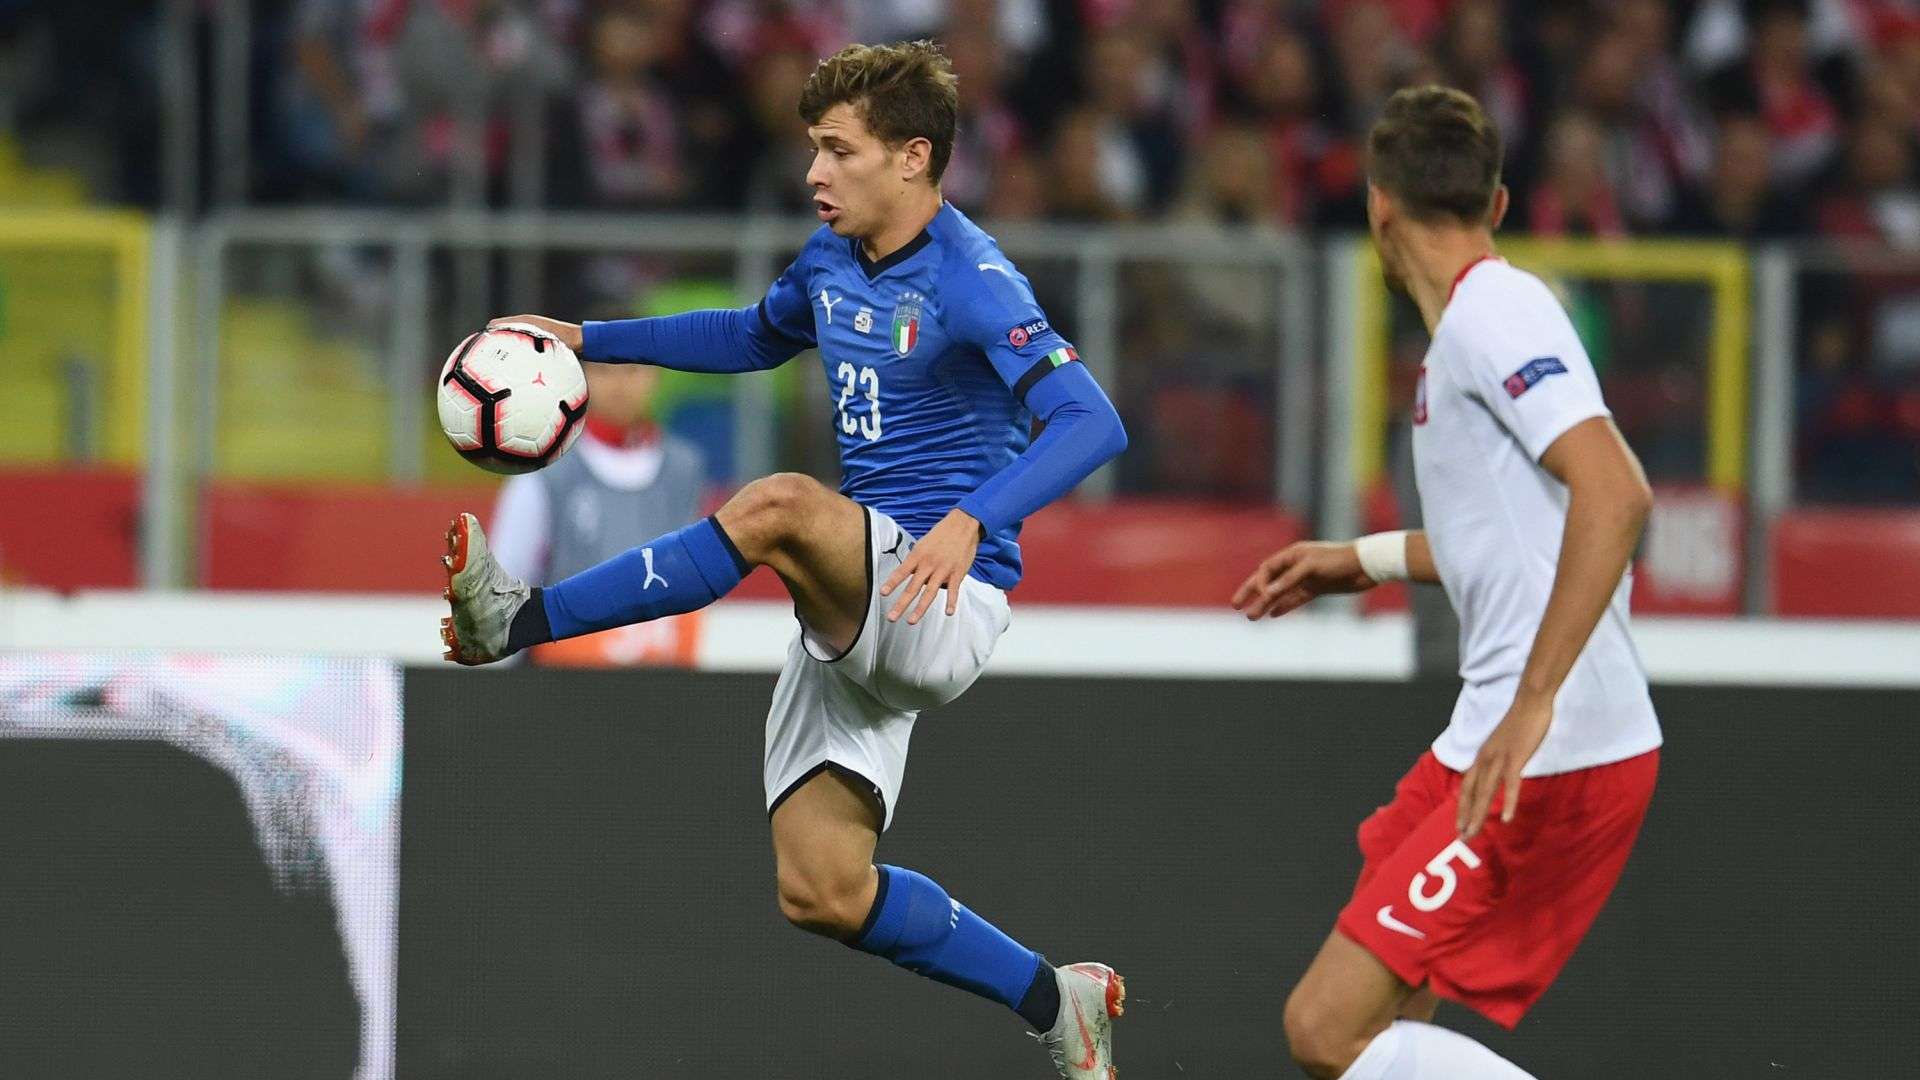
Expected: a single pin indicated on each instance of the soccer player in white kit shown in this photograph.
(1503, 842)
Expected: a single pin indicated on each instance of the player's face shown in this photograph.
(856, 179)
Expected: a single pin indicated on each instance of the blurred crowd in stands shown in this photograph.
(1744, 119)
(1747, 118)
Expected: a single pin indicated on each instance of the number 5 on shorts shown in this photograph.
(1439, 867)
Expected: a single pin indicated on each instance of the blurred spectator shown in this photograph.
(1900, 64)
(1136, 133)
(776, 170)
(1085, 184)
(1473, 56)
(435, 80)
(1310, 166)
(325, 119)
(1722, 31)
(1644, 149)
(630, 142)
(744, 30)
(1739, 200)
(623, 483)
(1094, 109)
(1230, 193)
(1574, 196)
(989, 131)
(1550, 42)
(1777, 81)
(1662, 90)
(1232, 184)
(1182, 62)
(1371, 58)
(711, 111)
(1019, 193)
(1886, 99)
(1245, 27)
(1016, 28)
(1875, 199)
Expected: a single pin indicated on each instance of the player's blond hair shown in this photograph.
(1436, 151)
(902, 91)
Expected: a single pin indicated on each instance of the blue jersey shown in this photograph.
(929, 355)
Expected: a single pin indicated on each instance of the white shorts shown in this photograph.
(854, 712)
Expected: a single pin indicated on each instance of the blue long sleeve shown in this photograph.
(720, 340)
(1083, 432)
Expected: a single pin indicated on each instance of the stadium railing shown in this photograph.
(286, 380)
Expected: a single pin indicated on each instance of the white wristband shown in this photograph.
(1383, 556)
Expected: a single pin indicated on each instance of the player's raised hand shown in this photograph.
(1296, 574)
(568, 333)
(939, 561)
(1498, 766)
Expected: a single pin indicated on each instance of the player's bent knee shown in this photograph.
(823, 906)
(783, 496)
(1320, 1043)
(769, 512)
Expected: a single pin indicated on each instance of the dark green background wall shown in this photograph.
(587, 889)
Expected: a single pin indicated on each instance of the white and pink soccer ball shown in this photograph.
(513, 398)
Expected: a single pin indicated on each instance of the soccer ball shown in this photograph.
(512, 398)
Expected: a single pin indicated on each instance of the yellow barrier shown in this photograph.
(43, 310)
(1720, 267)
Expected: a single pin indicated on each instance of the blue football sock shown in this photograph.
(918, 926)
(682, 571)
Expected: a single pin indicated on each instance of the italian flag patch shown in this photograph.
(1062, 355)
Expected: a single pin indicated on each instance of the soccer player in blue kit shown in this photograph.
(938, 360)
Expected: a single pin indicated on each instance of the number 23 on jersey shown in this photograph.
(866, 381)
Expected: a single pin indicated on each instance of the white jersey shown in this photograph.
(1505, 376)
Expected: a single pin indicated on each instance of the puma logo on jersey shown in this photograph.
(827, 302)
(646, 555)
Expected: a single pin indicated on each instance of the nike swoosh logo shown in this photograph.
(1086, 1037)
(1385, 916)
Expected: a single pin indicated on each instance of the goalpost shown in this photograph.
(1691, 562)
(74, 305)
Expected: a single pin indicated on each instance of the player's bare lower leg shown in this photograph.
(824, 836)
(814, 538)
(1350, 1018)
(823, 840)
(1346, 998)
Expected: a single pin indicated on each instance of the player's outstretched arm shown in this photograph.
(718, 341)
(1607, 506)
(1299, 572)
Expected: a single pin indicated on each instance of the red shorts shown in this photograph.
(1490, 923)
